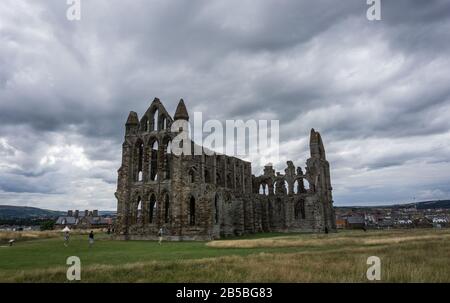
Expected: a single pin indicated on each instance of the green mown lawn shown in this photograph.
(45, 253)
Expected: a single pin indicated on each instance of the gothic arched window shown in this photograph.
(192, 211)
(152, 208)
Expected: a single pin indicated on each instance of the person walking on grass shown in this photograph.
(160, 234)
(66, 237)
(91, 239)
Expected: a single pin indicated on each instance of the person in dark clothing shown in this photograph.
(91, 239)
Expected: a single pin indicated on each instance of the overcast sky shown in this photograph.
(379, 92)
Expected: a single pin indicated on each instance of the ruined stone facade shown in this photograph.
(202, 197)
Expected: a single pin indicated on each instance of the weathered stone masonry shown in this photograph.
(202, 197)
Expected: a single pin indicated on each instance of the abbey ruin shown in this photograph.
(203, 197)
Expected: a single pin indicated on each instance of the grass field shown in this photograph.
(406, 256)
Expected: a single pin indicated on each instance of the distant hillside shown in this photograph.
(107, 213)
(433, 204)
(24, 212)
(420, 205)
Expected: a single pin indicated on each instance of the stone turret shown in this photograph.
(132, 124)
(181, 123)
(181, 113)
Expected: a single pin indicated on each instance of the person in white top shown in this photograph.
(160, 233)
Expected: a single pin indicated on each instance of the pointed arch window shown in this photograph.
(219, 180)
(138, 210)
(154, 161)
(207, 176)
(139, 158)
(299, 186)
(192, 211)
(299, 210)
(162, 122)
(155, 120)
(191, 175)
(145, 124)
(152, 209)
(230, 181)
(166, 209)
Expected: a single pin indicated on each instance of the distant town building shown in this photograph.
(82, 220)
(393, 217)
(341, 223)
(356, 222)
(440, 220)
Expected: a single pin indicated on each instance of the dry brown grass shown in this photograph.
(371, 238)
(273, 242)
(28, 235)
(33, 235)
(390, 240)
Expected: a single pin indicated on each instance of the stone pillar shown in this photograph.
(214, 170)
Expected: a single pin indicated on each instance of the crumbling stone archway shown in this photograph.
(300, 186)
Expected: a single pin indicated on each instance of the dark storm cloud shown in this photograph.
(377, 91)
